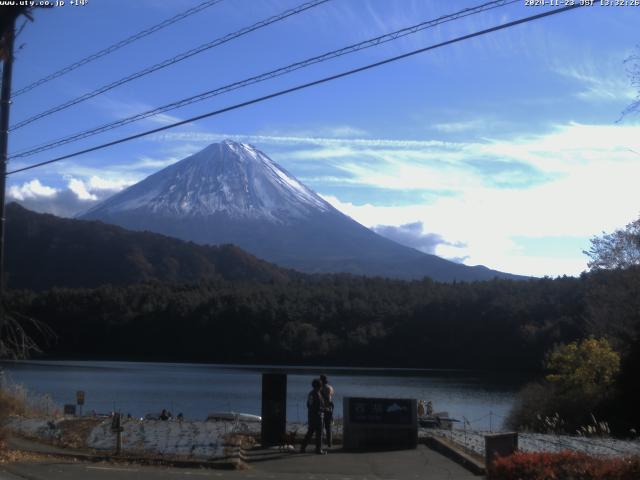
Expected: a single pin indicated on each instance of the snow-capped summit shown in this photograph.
(227, 177)
(233, 193)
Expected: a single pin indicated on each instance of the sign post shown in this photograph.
(80, 400)
(116, 427)
(69, 409)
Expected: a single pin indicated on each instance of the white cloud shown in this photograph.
(599, 81)
(413, 235)
(589, 185)
(127, 108)
(80, 189)
(474, 234)
(463, 126)
(30, 190)
(290, 140)
(78, 196)
(98, 183)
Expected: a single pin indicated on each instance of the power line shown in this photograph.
(302, 86)
(117, 46)
(166, 63)
(264, 76)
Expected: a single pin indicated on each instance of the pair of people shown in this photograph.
(320, 411)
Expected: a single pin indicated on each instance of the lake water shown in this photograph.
(199, 389)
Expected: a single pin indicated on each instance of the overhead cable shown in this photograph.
(263, 77)
(347, 73)
(116, 46)
(170, 61)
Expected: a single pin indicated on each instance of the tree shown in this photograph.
(18, 334)
(579, 384)
(587, 368)
(613, 288)
(633, 70)
(620, 249)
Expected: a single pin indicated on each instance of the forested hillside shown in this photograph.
(327, 319)
(43, 251)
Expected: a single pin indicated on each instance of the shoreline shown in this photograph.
(293, 369)
(207, 440)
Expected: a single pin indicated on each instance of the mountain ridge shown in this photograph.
(242, 182)
(234, 193)
(45, 251)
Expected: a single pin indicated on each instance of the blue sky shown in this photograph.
(507, 150)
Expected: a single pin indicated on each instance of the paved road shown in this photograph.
(422, 463)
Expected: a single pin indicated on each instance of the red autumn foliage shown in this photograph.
(563, 466)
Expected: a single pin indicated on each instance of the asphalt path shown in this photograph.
(422, 463)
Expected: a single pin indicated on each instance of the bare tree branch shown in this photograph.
(633, 71)
(17, 334)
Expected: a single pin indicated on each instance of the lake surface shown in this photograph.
(199, 389)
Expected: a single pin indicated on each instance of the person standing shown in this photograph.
(315, 409)
(421, 411)
(327, 393)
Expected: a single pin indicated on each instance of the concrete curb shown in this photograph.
(449, 449)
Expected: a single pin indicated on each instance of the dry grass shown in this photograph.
(10, 456)
(75, 432)
(9, 405)
(239, 440)
(15, 400)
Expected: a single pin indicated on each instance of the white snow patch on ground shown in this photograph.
(538, 442)
(43, 428)
(204, 440)
(193, 439)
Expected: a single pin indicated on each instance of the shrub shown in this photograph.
(540, 407)
(588, 367)
(17, 400)
(9, 405)
(534, 410)
(579, 383)
(564, 465)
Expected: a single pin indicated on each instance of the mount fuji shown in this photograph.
(233, 193)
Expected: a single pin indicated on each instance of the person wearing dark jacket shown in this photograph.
(327, 393)
(315, 408)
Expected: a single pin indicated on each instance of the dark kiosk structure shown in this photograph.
(380, 423)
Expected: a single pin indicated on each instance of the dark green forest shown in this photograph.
(335, 319)
(350, 321)
(155, 298)
(109, 292)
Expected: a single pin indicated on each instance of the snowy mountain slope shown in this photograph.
(227, 177)
(233, 193)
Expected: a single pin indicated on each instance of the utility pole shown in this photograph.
(5, 105)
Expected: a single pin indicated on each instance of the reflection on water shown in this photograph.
(197, 390)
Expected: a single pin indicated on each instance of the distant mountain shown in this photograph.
(43, 251)
(233, 193)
